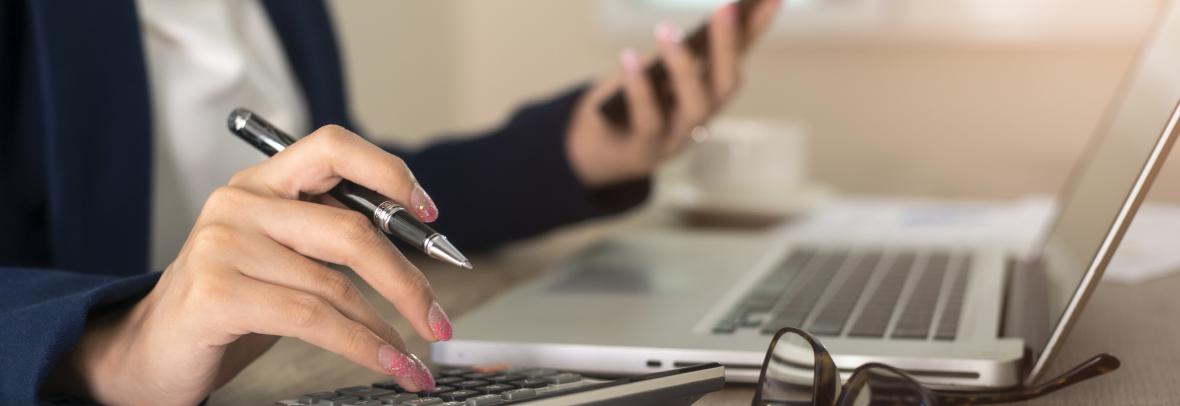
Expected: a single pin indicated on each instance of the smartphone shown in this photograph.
(615, 106)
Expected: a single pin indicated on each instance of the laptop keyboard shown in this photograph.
(456, 387)
(864, 293)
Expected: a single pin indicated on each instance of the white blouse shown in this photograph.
(204, 59)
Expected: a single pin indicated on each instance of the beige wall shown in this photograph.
(957, 120)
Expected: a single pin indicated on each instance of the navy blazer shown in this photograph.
(75, 167)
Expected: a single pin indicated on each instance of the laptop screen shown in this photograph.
(1111, 180)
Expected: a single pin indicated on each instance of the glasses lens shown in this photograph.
(791, 373)
(879, 386)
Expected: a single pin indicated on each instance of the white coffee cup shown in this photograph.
(744, 167)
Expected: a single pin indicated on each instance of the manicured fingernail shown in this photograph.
(667, 33)
(630, 60)
(440, 324)
(422, 205)
(405, 366)
(729, 12)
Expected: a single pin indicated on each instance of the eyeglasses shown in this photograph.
(799, 371)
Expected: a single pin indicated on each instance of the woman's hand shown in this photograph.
(251, 271)
(601, 154)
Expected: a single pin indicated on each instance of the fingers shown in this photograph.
(265, 260)
(641, 102)
(342, 237)
(269, 309)
(724, 43)
(692, 101)
(761, 19)
(318, 162)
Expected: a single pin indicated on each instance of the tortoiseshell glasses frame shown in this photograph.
(903, 389)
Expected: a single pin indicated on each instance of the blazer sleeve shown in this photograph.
(43, 313)
(514, 181)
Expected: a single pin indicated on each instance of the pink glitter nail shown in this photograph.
(405, 366)
(422, 205)
(440, 324)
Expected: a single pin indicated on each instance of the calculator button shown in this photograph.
(437, 391)
(447, 380)
(339, 400)
(481, 375)
(312, 398)
(517, 394)
(505, 378)
(484, 400)
(495, 389)
(461, 394)
(397, 399)
(531, 383)
(423, 402)
(369, 402)
(563, 378)
(469, 384)
(365, 392)
(537, 373)
(389, 385)
(455, 371)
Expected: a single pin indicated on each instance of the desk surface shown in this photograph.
(1136, 323)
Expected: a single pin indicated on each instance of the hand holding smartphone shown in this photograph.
(615, 106)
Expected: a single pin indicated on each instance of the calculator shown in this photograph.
(530, 386)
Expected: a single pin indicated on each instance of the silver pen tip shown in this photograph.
(438, 247)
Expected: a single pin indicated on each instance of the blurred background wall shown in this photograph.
(926, 113)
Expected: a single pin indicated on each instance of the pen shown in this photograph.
(389, 216)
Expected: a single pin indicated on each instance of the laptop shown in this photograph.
(953, 316)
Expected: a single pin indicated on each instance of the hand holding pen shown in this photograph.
(252, 271)
(388, 215)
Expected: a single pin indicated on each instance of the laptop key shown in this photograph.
(826, 327)
(874, 319)
(915, 319)
(830, 321)
(761, 303)
(949, 325)
(753, 319)
(724, 328)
